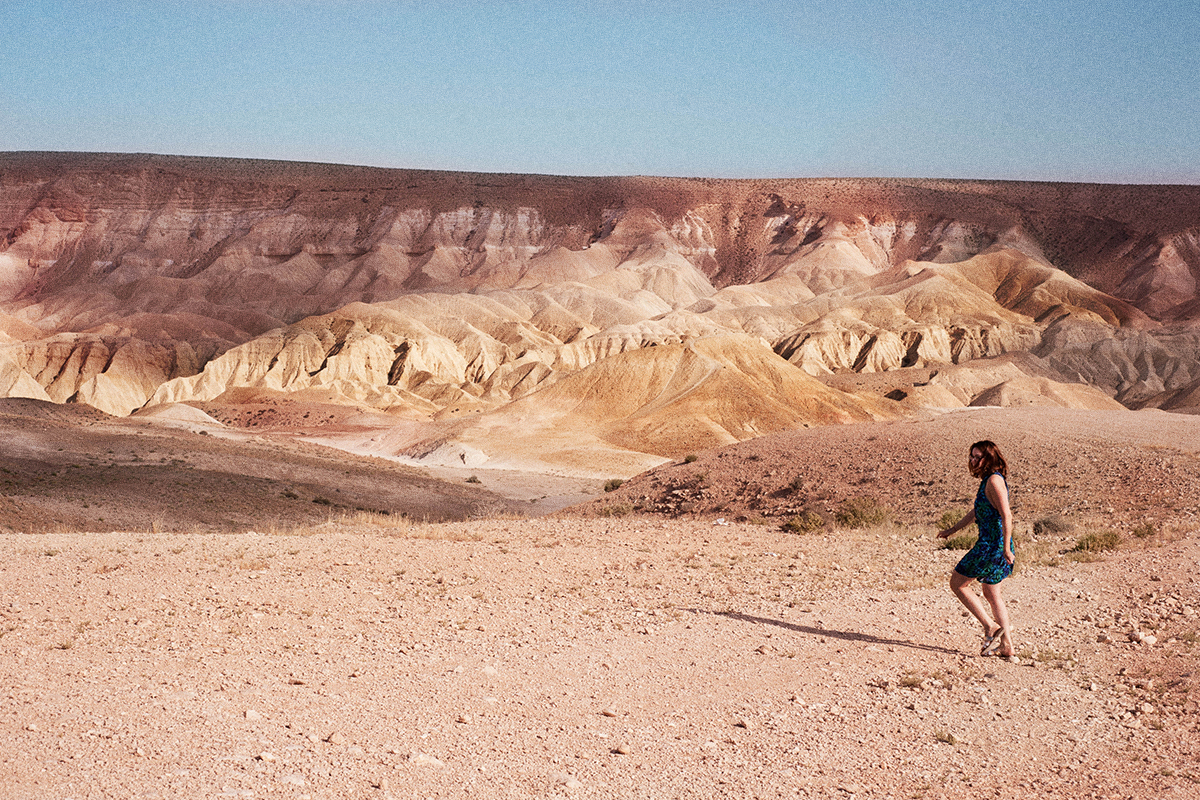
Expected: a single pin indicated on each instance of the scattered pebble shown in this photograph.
(424, 759)
(567, 780)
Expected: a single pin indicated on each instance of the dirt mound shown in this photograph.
(1148, 464)
(67, 468)
(71, 413)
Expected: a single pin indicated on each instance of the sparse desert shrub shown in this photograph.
(612, 484)
(945, 737)
(806, 522)
(1145, 530)
(474, 479)
(950, 517)
(618, 510)
(860, 512)
(691, 458)
(1052, 524)
(322, 501)
(1097, 541)
(1034, 553)
(962, 541)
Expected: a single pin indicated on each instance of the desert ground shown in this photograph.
(328, 481)
(611, 651)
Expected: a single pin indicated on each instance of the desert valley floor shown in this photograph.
(604, 653)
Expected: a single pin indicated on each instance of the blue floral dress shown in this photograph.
(985, 561)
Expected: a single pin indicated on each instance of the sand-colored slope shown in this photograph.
(636, 408)
(478, 349)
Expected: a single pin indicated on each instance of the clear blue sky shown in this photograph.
(1045, 90)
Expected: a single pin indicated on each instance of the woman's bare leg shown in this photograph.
(958, 585)
(996, 600)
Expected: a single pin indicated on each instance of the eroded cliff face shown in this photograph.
(128, 281)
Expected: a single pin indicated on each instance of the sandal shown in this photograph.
(992, 643)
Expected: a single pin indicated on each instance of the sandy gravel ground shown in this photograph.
(629, 657)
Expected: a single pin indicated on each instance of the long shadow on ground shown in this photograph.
(850, 636)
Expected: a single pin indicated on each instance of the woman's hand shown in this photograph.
(958, 526)
(1009, 556)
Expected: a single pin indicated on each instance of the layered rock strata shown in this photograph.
(130, 281)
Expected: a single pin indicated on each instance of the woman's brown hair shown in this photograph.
(992, 461)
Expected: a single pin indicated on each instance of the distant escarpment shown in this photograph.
(134, 280)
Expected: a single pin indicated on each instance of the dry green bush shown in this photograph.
(1097, 542)
(806, 522)
(1052, 524)
(1145, 530)
(618, 510)
(612, 484)
(962, 541)
(950, 518)
(860, 512)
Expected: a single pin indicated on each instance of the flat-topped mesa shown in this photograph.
(135, 279)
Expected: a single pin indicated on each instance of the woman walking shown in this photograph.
(991, 559)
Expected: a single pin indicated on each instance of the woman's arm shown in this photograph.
(958, 526)
(997, 494)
